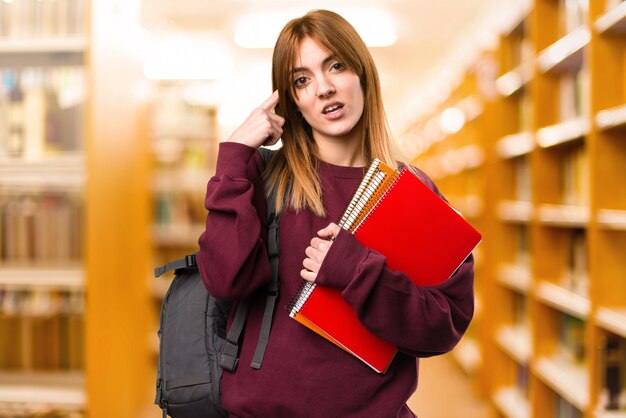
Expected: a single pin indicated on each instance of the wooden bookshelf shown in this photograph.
(554, 209)
(183, 151)
(462, 155)
(74, 180)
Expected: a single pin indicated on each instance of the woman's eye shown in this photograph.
(337, 66)
(300, 81)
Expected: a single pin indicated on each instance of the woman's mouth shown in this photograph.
(332, 108)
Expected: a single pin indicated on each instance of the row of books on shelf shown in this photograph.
(564, 409)
(571, 354)
(174, 116)
(42, 18)
(574, 176)
(41, 110)
(524, 108)
(573, 98)
(572, 14)
(43, 343)
(575, 275)
(572, 339)
(42, 227)
(523, 179)
(520, 47)
(573, 94)
(522, 378)
(178, 209)
(39, 302)
(520, 311)
(182, 153)
(613, 395)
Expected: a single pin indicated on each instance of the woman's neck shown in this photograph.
(346, 151)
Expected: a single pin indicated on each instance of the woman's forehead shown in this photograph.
(310, 51)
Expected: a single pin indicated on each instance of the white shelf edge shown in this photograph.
(515, 277)
(510, 402)
(609, 414)
(614, 20)
(557, 54)
(75, 44)
(569, 381)
(65, 278)
(516, 211)
(516, 145)
(564, 215)
(64, 170)
(612, 117)
(510, 83)
(613, 320)
(515, 340)
(611, 219)
(515, 80)
(563, 300)
(564, 132)
(33, 390)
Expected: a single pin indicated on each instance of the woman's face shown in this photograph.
(328, 95)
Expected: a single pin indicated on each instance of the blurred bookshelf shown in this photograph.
(60, 184)
(551, 188)
(183, 144)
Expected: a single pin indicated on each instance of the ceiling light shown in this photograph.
(452, 120)
(261, 29)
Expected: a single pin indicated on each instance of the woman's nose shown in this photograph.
(325, 88)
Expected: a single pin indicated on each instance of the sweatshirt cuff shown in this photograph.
(342, 261)
(233, 159)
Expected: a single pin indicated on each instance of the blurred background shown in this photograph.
(110, 117)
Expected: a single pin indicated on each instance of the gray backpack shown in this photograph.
(194, 348)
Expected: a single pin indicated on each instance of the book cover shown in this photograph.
(421, 235)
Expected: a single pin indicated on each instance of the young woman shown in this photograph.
(327, 108)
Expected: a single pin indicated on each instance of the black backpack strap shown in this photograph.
(230, 355)
(272, 293)
(229, 359)
(185, 262)
(274, 285)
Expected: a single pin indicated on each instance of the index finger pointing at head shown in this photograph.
(271, 103)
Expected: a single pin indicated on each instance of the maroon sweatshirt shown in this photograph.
(304, 375)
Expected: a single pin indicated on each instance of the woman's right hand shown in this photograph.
(262, 127)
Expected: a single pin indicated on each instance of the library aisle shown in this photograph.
(104, 159)
(445, 391)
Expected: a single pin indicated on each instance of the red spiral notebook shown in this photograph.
(398, 215)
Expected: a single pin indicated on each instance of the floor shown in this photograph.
(445, 392)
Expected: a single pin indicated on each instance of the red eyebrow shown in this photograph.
(326, 61)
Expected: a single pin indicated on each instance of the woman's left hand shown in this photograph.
(316, 252)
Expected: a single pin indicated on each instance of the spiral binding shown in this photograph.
(404, 171)
(365, 198)
(367, 192)
(300, 297)
(359, 191)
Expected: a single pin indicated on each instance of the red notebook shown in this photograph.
(421, 235)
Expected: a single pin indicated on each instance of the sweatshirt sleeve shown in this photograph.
(233, 259)
(420, 320)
